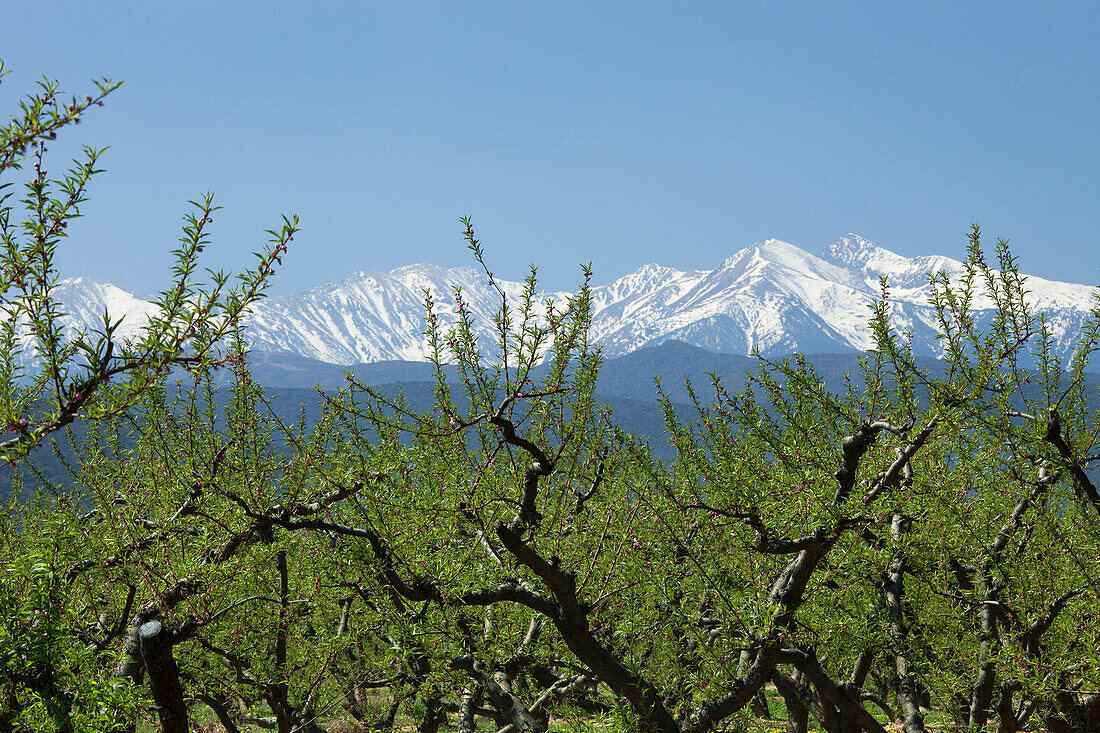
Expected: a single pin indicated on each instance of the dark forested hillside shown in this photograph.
(626, 384)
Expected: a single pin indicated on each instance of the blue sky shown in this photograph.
(610, 133)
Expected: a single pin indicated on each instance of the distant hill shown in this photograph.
(626, 384)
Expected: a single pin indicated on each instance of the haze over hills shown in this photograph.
(772, 296)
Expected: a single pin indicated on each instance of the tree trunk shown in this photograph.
(981, 696)
(830, 716)
(846, 722)
(164, 678)
(219, 704)
(798, 715)
(385, 724)
(467, 709)
(434, 714)
(835, 698)
(892, 591)
(1079, 713)
(1007, 722)
(280, 691)
(759, 705)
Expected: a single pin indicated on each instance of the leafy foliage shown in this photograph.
(91, 375)
(915, 542)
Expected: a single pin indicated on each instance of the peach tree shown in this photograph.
(52, 374)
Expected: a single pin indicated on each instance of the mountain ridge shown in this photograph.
(772, 296)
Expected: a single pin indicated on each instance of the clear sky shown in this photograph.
(611, 133)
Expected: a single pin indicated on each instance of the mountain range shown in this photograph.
(656, 321)
(772, 296)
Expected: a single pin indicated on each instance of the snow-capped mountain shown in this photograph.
(370, 316)
(771, 296)
(84, 301)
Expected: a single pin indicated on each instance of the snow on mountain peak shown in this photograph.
(646, 276)
(653, 270)
(772, 296)
(907, 276)
(85, 298)
(771, 251)
(775, 245)
(428, 270)
(855, 251)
